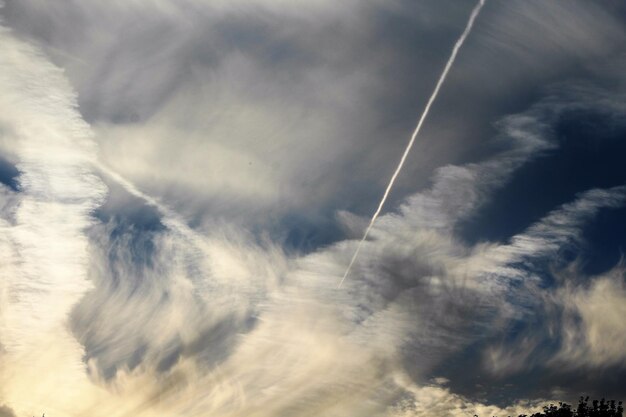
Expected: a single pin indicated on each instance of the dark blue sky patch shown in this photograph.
(469, 378)
(9, 174)
(304, 234)
(605, 241)
(531, 340)
(133, 226)
(591, 153)
(127, 210)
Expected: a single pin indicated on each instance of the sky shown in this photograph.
(183, 184)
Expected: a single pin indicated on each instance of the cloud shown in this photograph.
(6, 411)
(593, 332)
(458, 295)
(175, 297)
(45, 250)
(253, 322)
(557, 232)
(335, 89)
(435, 400)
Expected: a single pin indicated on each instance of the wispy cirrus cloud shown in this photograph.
(45, 256)
(222, 126)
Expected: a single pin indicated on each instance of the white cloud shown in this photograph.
(437, 401)
(45, 250)
(593, 328)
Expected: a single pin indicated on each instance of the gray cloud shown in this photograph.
(294, 97)
(6, 411)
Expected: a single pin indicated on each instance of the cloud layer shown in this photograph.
(187, 182)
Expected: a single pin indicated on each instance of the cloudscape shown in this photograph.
(187, 190)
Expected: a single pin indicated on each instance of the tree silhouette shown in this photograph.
(597, 408)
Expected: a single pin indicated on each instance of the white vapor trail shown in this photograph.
(169, 219)
(432, 98)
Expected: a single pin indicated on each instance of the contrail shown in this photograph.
(169, 219)
(432, 98)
